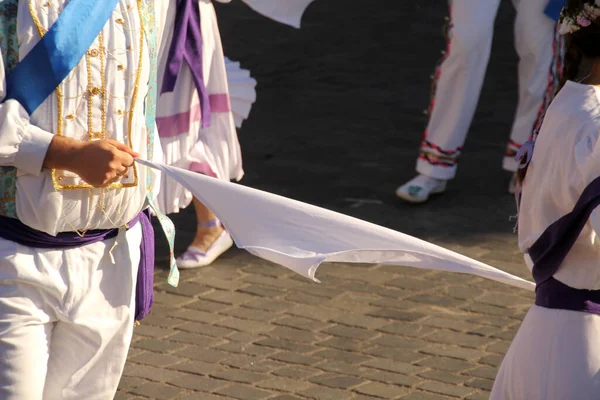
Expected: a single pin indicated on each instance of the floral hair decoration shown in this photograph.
(572, 23)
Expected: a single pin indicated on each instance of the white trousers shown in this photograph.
(554, 356)
(66, 319)
(460, 77)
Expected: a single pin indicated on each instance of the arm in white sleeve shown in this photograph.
(22, 145)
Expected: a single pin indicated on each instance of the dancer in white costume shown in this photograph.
(556, 352)
(71, 198)
(208, 144)
(457, 86)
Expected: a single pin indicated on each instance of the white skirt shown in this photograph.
(215, 150)
(554, 356)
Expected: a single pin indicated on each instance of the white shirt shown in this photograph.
(565, 160)
(98, 99)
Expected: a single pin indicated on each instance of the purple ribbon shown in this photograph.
(187, 45)
(16, 231)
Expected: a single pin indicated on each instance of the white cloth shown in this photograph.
(460, 78)
(215, 150)
(287, 12)
(242, 91)
(301, 237)
(556, 353)
(24, 141)
(66, 319)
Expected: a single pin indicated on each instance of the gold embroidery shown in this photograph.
(94, 91)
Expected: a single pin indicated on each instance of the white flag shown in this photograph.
(300, 236)
(287, 12)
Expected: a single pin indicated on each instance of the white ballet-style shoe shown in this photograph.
(196, 258)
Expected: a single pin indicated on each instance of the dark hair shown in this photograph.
(580, 46)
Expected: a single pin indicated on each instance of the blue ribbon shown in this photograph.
(554, 8)
(58, 52)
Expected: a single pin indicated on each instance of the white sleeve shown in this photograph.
(587, 157)
(22, 145)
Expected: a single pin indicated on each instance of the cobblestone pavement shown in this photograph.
(337, 123)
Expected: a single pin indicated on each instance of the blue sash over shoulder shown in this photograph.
(52, 59)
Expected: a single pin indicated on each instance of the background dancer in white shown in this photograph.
(458, 82)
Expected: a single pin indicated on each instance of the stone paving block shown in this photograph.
(435, 300)
(189, 289)
(389, 377)
(286, 397)
(196, 339)
(394, 366)
(155, 359)
(349, 332)
(227, 297)
(248, 349)
(152, 331)
(304, 298)
(240, 376)
(244, 325)
(492, 359)
(500, 347)
(262, 291)
(447, 364)
(406, 329)
(251, 314)
(337, 381)
(396, 315)
(443, 376)
(501, 299)
(301, 323)
(294, 358)
(295, 335)
(171, 300)
(412, 284)
(453, 352)
(201, 354)
(197, 367)
(158, 346)
(451, 323)
(208, 306)
(203, 396)
(360, 321)
(195, 382)
(446, 389)
(197, 316)
(270, 270)
(381, 390)
(244, 337)
(483, 372)
(130, 382)
(402, 355)
(244, 392)
(399, 342)
(317, 392)
(270, 305)
(479, 396)
(463, 292)
(226, 283)
(158, 391)
(341, 355)
(313, 312)
(485, 384)
(343, 344)
(457, 338)
(283, 344)
(283, 384)
(205, 329)
(424, 396)
(296, 372)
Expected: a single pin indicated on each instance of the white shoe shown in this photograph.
(512, 184)
(196, 258)
(418, 189)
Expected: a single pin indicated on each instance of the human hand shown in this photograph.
(101, 162)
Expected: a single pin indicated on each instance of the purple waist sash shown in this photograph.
(16, 231)
(550, 250)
